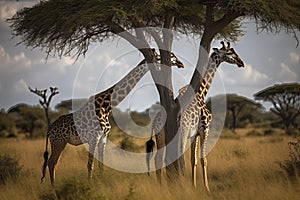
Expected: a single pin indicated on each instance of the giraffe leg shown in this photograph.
(101, 151)
(90, 164)
(203, 141)
(56, 149)
(194, 158)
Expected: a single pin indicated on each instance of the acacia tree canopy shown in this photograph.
(61, 26)
(286, 101)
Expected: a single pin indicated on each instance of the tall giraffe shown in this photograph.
(90, 123)
(194, 119)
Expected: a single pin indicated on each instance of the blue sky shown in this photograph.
(269, 59)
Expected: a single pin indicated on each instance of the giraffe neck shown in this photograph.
(111, 97)
(213, 64)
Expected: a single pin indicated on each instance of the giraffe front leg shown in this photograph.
(101, 151)
(203, 157)
(90, 164)
(194, 158)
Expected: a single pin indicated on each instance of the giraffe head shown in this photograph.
(174, 60)
(227, 54)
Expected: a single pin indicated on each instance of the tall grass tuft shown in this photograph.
(292, 165)
(9, 168)
(73, 189)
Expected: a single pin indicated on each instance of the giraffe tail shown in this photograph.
(46, 156)
(149, 150)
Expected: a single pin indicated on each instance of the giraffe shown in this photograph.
(194, 119)
(90, 123)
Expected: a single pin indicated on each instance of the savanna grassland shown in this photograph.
(242, 167)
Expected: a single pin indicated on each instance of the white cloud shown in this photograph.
(244, 75)
(295, 58)
(250, 74)
(286, 74)
(20, 86)
(8, 8)
(17, 62)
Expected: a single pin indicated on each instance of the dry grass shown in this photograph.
(244, 168)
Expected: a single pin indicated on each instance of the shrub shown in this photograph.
(73, 189)
(240, 152)
(254, 133)
(9, 168)
(292, 132)
(269, 132)
(127, 144)
(292, 165)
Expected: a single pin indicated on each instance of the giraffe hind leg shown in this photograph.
(56, 149)
(203, 157)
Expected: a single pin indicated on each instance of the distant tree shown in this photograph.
(45, 100)
(236, 105)
(7, 125)
(285, 98)
(28, 119)
(70, 104)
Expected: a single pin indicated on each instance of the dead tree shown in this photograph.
(45, 99)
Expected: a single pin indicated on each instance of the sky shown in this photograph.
(269, 59)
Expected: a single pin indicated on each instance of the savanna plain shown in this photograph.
(240, 166)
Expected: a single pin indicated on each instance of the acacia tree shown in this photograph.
(236, 104)
(62, 27)
(286, 102)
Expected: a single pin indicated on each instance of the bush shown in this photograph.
(127, 144)
(269, 132)
(292, 132)
(292, 165)
(254, 133)
(9, 168)
(73, 189)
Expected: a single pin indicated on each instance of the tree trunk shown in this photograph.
(233, 120)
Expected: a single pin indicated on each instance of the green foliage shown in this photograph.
(73, 189)
(140, 118)
(269, 132)
(292, 165)
(26, 119)
(241, 111)
(127, 144)
(70, 104)
(7, 125)
(9, 168)
(63, 26)
(254, 133)
(285, 99)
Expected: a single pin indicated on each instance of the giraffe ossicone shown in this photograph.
(90, 123)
